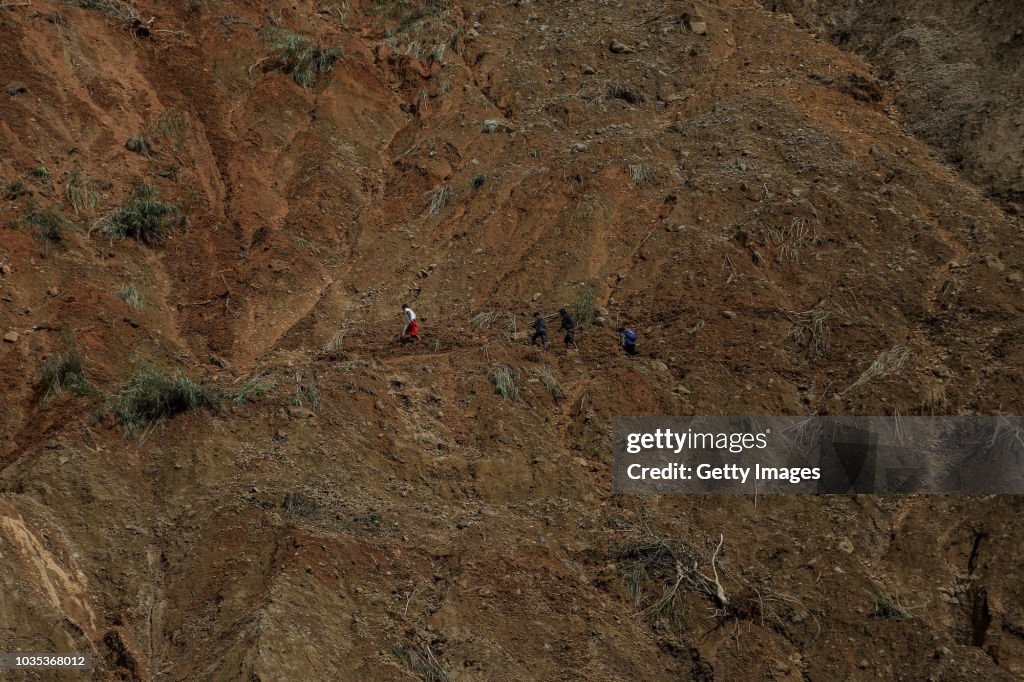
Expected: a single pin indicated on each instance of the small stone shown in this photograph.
(993, 263)
(1014, 276)
(601, 322)
(941, 371)
(11, 337)
(728, 314)
(5, 269)
(699, 27)
(659, 366)
(620, 47)
(299, 412)
(580, 147)
(846, 546)
(536, 297)
(494, 126)
(587, 70)
(52, 291)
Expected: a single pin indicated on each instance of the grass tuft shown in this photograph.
(438, 198)
(65, 372)
(49, 221)
(132, 296)
(152, 395)
(584, 309)
(252, 389)
(422, 661)
(890, 607)
(550, 382)
(504, 380)
(144, 218)
(302, 58)
(642, 174)
(81, 192)
(885, 364)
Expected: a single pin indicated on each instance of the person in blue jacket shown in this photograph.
(628, 338)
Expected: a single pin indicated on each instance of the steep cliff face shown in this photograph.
(957, 71)
(241, 195)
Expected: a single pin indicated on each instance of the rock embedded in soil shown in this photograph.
(11, 337)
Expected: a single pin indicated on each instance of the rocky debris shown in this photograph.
(587, 70)
(11, 337)
(299, 412)
(494, 126)
(993, 263)
(698, 26)
(15, 89)
(580, 147)
(1014, 277)
(728, 314)
(5, 269)
(618, 47)
(52, 291)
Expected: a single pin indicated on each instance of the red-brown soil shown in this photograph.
(720, 191)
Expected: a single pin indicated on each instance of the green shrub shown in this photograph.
(49, 221)
(65, 372)
(583, 309)
(152, 395)
(302, 58)
(144, 217)
(81, 192)
(504, 380)
(253, 388)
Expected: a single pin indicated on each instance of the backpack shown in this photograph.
(629, 336)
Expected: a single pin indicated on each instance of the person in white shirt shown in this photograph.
(411, 330)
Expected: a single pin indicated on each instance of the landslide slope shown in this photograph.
(742, 192)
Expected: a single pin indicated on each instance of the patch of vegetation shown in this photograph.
(302, 58)
(421, 660)
(49, 221)
(15, 89)
(252, 389)
(42, 174)
(642, 174)
(791, 240)
(132, 296)
(15, 189)
(65, 372)
(369, 520)
(583, 309)
(478, 181)
(144, 218)
(311, 394)
(152, 395)
(82, 193)
(890, 607)
(504, 380)
(812, 330)
(550, 382)
(140, 145)
(124, 12)
(298, 504)
(438, 198)
(171, 126)
(885, 364)
(615, 90)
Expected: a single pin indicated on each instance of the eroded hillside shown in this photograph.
(746, 194)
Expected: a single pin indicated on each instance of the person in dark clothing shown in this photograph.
(569, 327)
(540, 330)
(628, 338)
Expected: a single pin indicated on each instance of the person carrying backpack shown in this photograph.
(628, 338)
(540, 330)
(411, 330)
(569, 327)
